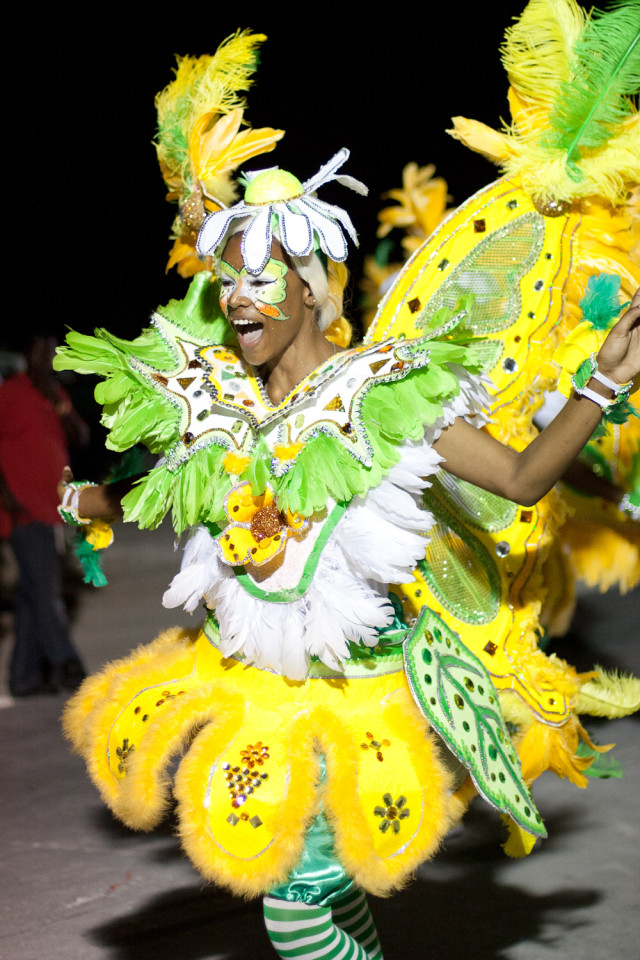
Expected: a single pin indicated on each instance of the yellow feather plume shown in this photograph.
(537, 49)
(610, 694)
(200, 141)
(539, 57)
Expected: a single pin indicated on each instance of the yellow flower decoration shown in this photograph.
(217, 146)
(258, 530)
(423, 201)
(99, 534)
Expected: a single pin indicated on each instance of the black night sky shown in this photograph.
(91, 226)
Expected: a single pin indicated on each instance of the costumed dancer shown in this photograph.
(529, 249)
(326, 745)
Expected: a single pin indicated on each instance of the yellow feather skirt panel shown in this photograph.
(248, 783)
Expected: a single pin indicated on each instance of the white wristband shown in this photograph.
(607, 382)
(590, 394)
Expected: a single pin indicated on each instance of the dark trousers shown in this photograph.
(42, 643)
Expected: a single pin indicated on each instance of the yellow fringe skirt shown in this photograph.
(248, 784)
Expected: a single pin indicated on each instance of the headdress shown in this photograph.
(203, 137)
(305, 223)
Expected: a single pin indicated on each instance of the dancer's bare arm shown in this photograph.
(526, 476)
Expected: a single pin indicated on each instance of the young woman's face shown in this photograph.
(267, 311)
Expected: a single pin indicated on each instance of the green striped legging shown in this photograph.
(344, 931)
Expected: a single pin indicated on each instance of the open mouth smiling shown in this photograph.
(248, 332)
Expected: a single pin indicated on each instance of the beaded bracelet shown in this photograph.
(588, 370)
(68, 509)
(630, 504)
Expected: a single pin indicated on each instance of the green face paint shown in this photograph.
(264, 291)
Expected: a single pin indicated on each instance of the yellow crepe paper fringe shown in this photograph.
(555, 748)
(610, 694)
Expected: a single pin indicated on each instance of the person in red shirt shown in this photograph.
(37, 421)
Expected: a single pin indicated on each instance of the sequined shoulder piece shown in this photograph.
(222, 401)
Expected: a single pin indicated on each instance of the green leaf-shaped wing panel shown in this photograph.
(459, 569)
(454, 692)
(491, 274)
(479, 508)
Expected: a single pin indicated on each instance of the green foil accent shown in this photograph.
(459, 569)
(454, 692)
(584, 373)
(491, 272)
(604, 766)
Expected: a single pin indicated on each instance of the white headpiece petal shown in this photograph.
(213, 230)
(256, 241)
(296, 231)
(328, 171)
(332, 239)
(335, 213)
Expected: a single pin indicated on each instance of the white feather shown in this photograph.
(379, 540)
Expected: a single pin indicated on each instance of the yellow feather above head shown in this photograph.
(217, 146)
(208, 83)
(199, 141)
(537, 49)
(573, 134)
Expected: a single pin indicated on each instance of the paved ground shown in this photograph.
(78, 886)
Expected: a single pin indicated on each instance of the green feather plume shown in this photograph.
(606, 75)
(601, 302)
